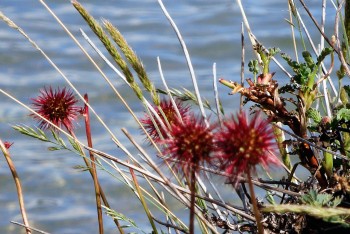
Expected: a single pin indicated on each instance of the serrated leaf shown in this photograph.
(337, 201)
(273, 51)
(308, 59)
(343, 114)
(324, 53)
(314, 114)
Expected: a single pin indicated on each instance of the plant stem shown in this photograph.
(143, 202)
(255, 204)
(347, 20)
(93, 166)
(18, 185)
(193, 198)
(102, 194)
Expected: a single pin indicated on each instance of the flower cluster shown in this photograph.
(239, 145)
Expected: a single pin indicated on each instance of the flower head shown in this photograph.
(58, 106)
(191, 143)
(171, 116)
(244, 143)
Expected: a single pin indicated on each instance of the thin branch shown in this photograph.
(188, 58)
(17, 183)
(28, 227)
(318, 26)
(338, 155)
(216, 95)
(242, 65)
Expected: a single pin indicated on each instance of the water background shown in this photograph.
(58, 198)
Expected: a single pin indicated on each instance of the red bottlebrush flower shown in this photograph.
(58, 106)
(242, 144)
(191, 143)
(170, 114)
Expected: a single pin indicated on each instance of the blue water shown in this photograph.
(59, 198)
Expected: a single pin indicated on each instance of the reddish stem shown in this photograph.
(18, 185)
(93, 165)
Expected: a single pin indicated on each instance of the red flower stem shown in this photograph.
(193, 197)
(18, 185)
(93, 165)
(102, 194)
(255, 204)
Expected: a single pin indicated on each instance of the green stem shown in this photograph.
(143, 202)
(279, 136)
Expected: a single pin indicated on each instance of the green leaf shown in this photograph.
(270, 198)
(314, 114)
(119, 216)
(58, 139)
(54, 148)
(81, 168)
(273, 51)
(320, 200)
(343, 114)
(28, 131)
(253, 66)
(291, 63)
(324, 53)
(308, 59)
(347, 89)
(75, 145)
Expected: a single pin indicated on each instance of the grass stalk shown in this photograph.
(255, 204)
(133, 59)
(193, 198)
(143, 202)
(188, 59)
(290, 7)
(17, 180)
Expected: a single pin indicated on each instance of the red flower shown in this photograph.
(58, 106)
(8, 144)
(242, 144)
(191, 143)
(170, 114)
